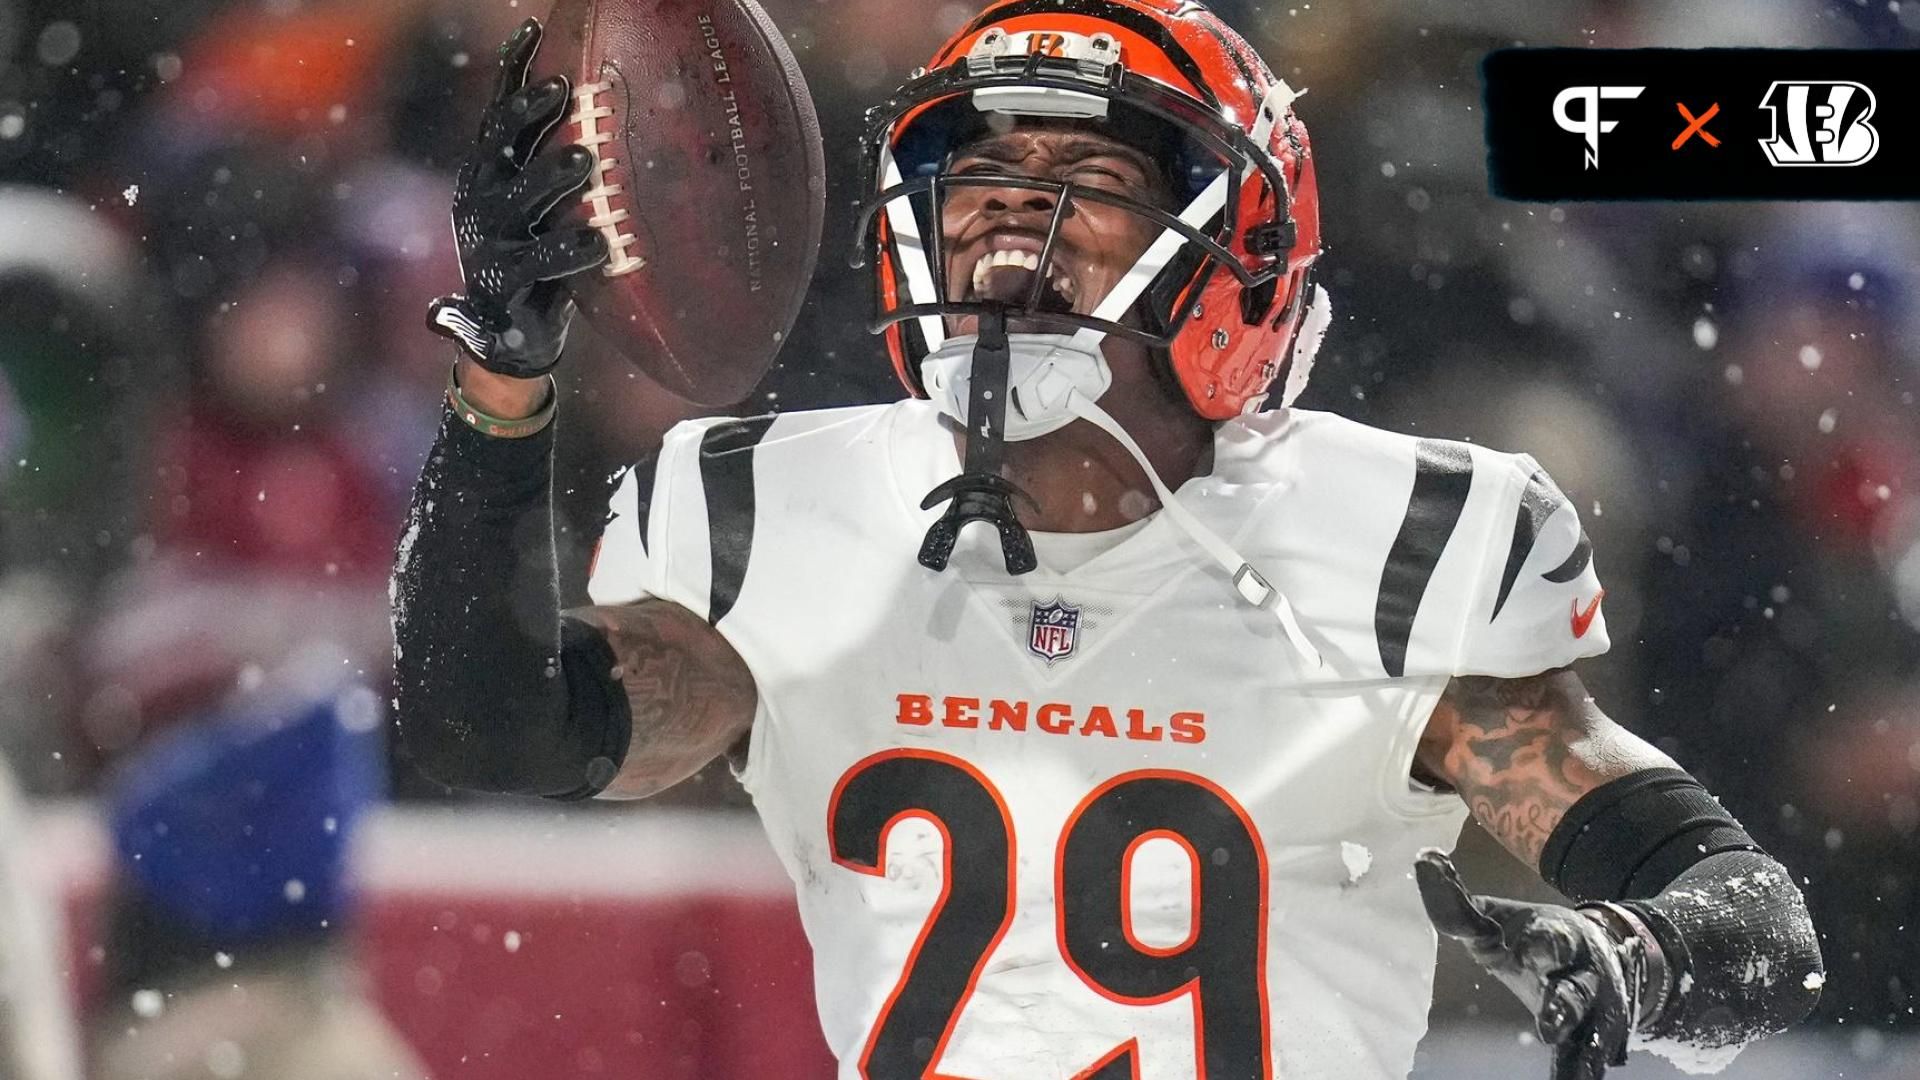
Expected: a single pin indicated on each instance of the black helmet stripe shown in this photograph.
(1136, 21)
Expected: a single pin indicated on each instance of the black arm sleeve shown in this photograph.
(1632, 836)
(495, 691)
(1742, 957)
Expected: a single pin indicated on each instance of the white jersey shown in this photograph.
(1107, 822)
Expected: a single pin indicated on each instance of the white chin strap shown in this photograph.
(1248, 582)
(1042, 368)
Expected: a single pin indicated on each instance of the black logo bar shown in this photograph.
(1568, 124)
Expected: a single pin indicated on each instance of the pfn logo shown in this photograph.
(1825, 123)
(1588, 124)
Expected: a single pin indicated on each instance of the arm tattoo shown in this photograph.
(691, 695)
(1522, 751)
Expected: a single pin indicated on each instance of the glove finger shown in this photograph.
(1455, 912)
(516, 56)
(1568, 1001)
(1612, 1017)
(555, 305)
(525, 119)
(561, 253)
(1602, 1039)
(547, 180)
(1579, 1058)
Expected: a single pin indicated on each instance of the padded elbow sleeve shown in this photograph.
(1746, 960)
(1743, 960)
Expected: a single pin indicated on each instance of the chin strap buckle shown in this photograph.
(1252, 588)
(1272, 239)
(1252, 585)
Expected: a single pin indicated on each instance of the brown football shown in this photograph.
(709, 183)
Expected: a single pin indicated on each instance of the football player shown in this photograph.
(1141, 777)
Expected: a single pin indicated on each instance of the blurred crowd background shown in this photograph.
(220, 225)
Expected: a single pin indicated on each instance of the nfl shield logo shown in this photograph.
(1055, 630)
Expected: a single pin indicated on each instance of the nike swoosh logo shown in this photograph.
(1584, 619)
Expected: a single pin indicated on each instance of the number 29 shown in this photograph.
(1221, 964)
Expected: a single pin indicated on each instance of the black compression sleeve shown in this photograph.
(494, 692)
(1632, 836)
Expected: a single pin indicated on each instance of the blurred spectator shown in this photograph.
(1781, 570)
(78, 325)
(80, 330)
(258, 476)
(270, 528)
(227, 959)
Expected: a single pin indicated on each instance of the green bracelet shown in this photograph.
(493, 425)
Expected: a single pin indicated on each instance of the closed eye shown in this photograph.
(980, 168)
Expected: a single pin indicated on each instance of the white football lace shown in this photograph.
(587, 114)
(1254, 588)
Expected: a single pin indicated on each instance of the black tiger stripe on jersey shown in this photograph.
(1576, 562)
(726, 475)
(644, 474)
(1442, 476)
(1537, 503)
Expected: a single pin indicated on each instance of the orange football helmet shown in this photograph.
(1221, 296)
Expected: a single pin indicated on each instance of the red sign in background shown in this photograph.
(656, 945)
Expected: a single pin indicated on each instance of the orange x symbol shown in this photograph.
(1697, 125)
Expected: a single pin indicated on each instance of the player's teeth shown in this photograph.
(1024, 260)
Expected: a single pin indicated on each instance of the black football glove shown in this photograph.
(513, 317)
(1574, 974)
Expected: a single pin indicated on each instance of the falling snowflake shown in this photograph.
(132, 194)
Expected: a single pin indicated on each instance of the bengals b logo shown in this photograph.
(1820, 123)
(1046, 43)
